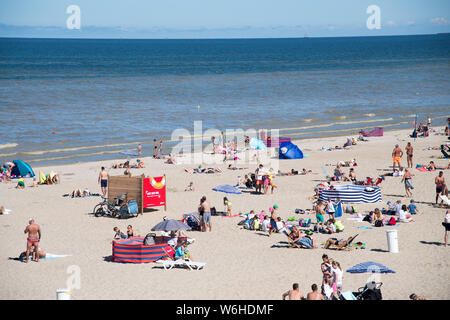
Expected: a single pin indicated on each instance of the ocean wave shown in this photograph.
(353, 130)
(8, 145)
(336, 123)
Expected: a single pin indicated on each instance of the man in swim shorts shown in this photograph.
(206, 208)
(440, 185)
(103, 180)
(397, 154)
(34, 236)
(409, 153)
(319, 215)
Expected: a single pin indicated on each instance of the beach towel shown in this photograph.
(337, 210)
(51, 256)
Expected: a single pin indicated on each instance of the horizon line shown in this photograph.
(224, 38)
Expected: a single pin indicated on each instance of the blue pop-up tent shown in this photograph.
(288, 150)
(22, 169)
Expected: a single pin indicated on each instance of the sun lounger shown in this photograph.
(192, 265)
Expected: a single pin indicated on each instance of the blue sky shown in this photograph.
(226, 18)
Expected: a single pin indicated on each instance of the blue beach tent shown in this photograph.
(288, 150)
(22, 169)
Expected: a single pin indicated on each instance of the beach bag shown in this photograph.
(392, 221)
(149, 239)
(367, 218)
(378, 223)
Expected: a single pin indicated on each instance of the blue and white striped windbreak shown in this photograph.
(351, 194)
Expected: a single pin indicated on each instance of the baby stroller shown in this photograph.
(128, 210)
(371, 291)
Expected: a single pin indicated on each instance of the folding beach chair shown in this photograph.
(293, 244)
(345, 246)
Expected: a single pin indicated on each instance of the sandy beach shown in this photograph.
(240, 264)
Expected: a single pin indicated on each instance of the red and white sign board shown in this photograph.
(154, 192)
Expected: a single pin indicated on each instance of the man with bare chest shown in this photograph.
(397, 154)
(34, 236)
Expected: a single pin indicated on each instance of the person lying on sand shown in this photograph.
(337, 243)
(172, 159)
(120, 165)
(231, 167)
(23, 255)
(202, 170)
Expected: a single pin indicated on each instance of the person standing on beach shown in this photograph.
(408, 185)
(155, 149)
(34, 236)
(409, 154)
(205, 207)
(213, 141)
(139, 150)
(273, 220)
(103, 180)
(397, 154)
(440, 185)
(160, 149)
(293, 294)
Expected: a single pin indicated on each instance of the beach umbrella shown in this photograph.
(371, 267)
(227, 189)
(171, 224)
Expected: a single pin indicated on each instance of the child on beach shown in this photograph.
(227, 203)
(319, 216)
(182, 252)
(412, 208)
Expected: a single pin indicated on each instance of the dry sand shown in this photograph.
(241, 264)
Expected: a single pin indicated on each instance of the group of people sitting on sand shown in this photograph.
(126, 165)
(293, 172)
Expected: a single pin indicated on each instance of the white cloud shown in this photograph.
(439, 21)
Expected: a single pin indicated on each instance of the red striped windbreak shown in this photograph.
(133, 250)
